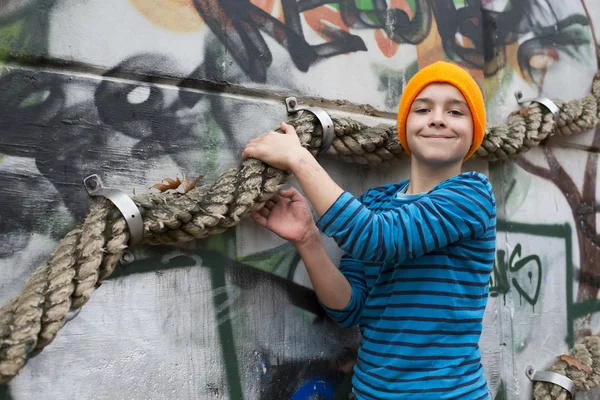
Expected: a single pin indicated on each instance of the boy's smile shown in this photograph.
(439, 126)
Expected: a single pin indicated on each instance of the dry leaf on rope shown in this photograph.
(187, 185)
(574, 362)
(522, 111)
(171, 184)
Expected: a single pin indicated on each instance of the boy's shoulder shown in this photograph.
(383, 191)
(473, 179)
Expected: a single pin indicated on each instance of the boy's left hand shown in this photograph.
(276, 149)
(288, 215)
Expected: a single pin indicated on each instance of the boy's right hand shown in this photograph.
(288, 215)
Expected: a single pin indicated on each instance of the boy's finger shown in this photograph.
(287, 193)
(259, 218)
(288, 129)
(275, 198)
(296, 196)
(247, 151)
(251, 151)
(264, 212)
(292, 194)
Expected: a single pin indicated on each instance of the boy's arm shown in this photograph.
(332, 287)
(459, 209)
(354, 271)
(342, 292)
(316, 184)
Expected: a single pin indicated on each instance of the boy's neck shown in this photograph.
(425, 177)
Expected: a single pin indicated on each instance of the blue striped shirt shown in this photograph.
(419, 267)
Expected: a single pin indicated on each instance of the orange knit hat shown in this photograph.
(444, 72)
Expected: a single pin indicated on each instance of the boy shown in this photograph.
(418, 254)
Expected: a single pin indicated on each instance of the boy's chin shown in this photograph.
(441, 159)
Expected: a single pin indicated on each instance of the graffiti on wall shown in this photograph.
(584, 206)
(528, 35)
(500, 283)
(477, 36)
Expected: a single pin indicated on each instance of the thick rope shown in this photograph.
(89, 253)
(583, 368)
(531, 125)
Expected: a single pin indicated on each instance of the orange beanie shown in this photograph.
(444, 72)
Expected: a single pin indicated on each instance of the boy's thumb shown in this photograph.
(288, 129)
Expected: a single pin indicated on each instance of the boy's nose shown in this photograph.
(437, 122)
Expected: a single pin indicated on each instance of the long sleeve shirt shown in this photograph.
(419, 267)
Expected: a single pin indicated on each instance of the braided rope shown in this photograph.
(89, 253)
(587, 356)
(531, 125)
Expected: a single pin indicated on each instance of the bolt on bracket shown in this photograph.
(546, 102)
(292, 106)
(551, 377)
(94, 186)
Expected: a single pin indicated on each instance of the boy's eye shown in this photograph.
(421, 110)
(456, 112)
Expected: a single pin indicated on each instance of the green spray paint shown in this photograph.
(564, 232)
(24, 33)
(225, 244)
(369, 10)
(10, 37)
(209, 164)
(281, 260)
(501, 392)
(499, 282)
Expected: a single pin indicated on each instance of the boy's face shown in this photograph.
(439, 127)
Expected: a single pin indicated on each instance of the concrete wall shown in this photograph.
(140, 90)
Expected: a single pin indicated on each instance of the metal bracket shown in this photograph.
(546, 102)
(291, 104)
(551, 377)
(94, 186)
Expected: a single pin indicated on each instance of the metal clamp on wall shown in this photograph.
(93, 185)
(292, 106)
(551, 377)
(546, 102)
